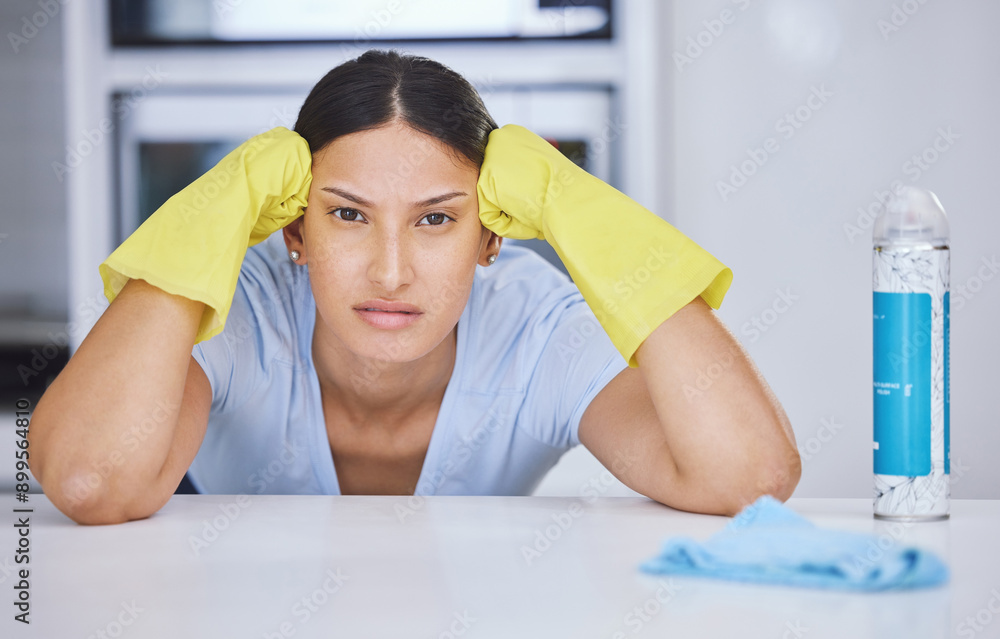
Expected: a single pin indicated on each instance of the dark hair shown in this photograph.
(381, 86)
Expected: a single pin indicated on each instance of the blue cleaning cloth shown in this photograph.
(771, 544)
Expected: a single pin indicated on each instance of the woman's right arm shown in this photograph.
(115, 432)
(113, 435)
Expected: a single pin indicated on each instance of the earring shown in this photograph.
(491, 259)
(294, 255)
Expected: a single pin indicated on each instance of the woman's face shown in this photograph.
(393, 216)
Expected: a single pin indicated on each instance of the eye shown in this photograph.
(346, 214)
(437, 219)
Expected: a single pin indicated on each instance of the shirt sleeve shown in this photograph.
(576, 361)
(216, 360)
(233, 359)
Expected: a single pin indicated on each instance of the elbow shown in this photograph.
(82, 498)
(783, 477)
(87, 505)
(777, 477)
(87, 498)
(75, 489)
(779, 465)
(786, 469)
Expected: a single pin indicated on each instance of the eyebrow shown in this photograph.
(357, 199)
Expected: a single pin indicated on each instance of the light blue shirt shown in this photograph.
(530, 357)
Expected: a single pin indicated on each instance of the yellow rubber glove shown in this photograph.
(632, 267)
(194, 245)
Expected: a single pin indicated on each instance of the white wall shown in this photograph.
(784, 230)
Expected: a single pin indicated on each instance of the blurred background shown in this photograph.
(769, 131)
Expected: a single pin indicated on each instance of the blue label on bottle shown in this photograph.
(947, 393)
(902, 363)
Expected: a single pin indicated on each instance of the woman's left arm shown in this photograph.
(695, 426)
(691, 423)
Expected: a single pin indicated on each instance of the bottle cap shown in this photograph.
(911, 216)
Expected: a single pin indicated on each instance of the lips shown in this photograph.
(388, 314)
(388, 306)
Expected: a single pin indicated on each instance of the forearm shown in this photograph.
(728, 435)
(104, 427)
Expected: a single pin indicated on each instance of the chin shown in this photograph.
(393, 346)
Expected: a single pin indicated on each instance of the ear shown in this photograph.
(489, 246)
(295, 238)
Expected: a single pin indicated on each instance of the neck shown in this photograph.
(380, 394)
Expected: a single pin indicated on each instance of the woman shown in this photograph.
(384, 344)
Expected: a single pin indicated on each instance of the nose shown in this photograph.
(390, 266)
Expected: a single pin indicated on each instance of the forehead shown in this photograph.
(393, 156)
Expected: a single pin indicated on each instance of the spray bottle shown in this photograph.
(910, 284)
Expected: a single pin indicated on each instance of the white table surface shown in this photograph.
(455, 567)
